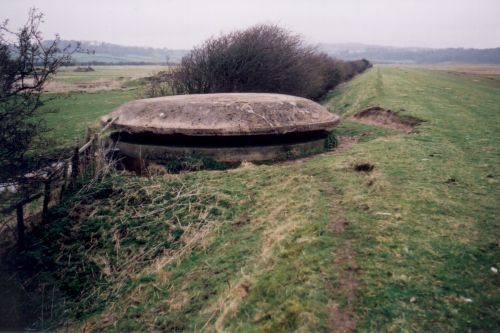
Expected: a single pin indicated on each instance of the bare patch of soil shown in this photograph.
(342, 319)
(451, 181)
(364, 167)
(386, 118)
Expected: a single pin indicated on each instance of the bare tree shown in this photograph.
(26, 64)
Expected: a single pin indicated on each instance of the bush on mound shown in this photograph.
(263, 58)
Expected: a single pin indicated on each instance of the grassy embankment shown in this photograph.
(259, 248)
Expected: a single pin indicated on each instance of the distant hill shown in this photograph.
(388, 54)
(107, 53)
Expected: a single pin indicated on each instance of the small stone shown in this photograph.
(494, 270)
(383, 213)
(413, 299)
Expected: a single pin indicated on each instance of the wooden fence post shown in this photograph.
(87, 155)
(88, 134)
(98, 156)
(95, 144)
(46, 200)
(20, 227)
(74, 167)
(65, 176)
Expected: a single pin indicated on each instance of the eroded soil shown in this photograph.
(386, 118)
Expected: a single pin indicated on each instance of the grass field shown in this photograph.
(77, 99)
(305, 246)
(105, 73)
(486, 71)
(102, 78)
(68, 115)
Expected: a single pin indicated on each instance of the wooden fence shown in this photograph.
(59, 176)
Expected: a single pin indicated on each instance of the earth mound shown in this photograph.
(386, 118)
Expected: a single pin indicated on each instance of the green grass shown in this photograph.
(68, 115)
(254, 249)
(441, 239)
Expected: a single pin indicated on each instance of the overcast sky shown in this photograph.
(185, 23)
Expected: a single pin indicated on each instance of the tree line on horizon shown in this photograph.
(127, 55)
(419, 56)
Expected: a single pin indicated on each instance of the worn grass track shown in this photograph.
(312, 245)
(426, 266)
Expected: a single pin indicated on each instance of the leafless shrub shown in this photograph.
(159, 84)
(263, 58)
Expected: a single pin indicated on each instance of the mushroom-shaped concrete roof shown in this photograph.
(222, 114)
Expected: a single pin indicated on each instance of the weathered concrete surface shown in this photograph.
(221, 154)
(222, 114)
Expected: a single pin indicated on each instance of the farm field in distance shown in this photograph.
(486, 71)
(410, 246)
(101, 78)
(80, 98)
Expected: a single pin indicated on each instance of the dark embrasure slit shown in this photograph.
(181, 140)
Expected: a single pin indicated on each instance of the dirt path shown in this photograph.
(342, 319)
